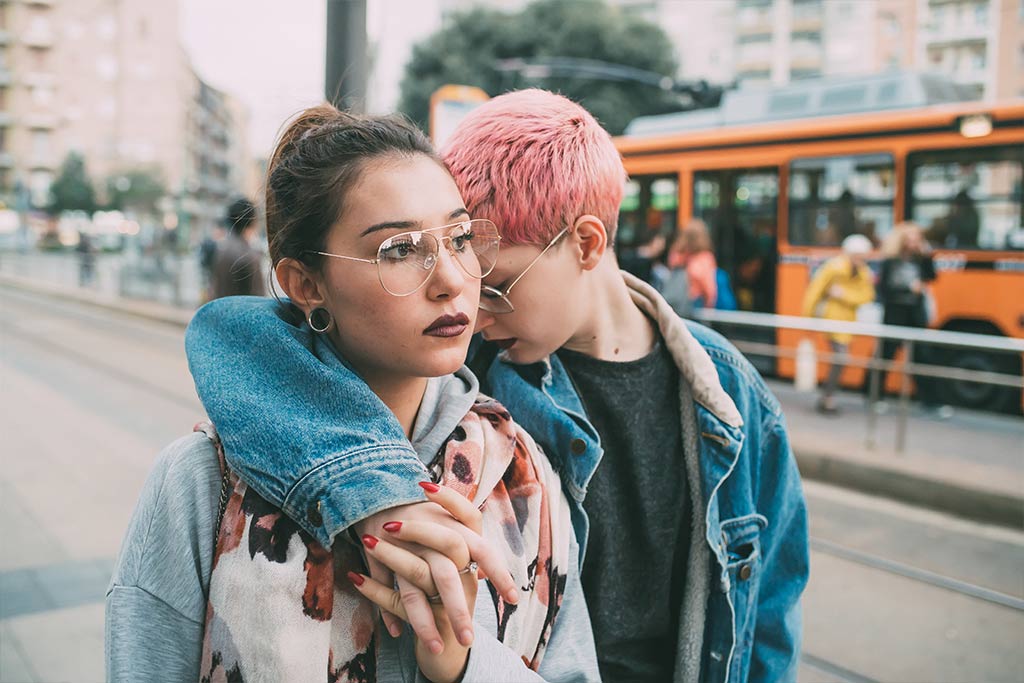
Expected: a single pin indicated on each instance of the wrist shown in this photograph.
(452, 672)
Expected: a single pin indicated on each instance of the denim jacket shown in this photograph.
(354, 459)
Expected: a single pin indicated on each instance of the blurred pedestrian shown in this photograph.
(841, 286)
(692, 261)
(903, 292)
(237, 266)
(86, 259)
(207, 257)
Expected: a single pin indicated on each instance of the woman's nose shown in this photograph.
(448, 278)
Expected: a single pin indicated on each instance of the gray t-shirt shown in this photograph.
(637, 505)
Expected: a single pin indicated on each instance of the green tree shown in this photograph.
(467, 49)
(135, 189)
(72, 190)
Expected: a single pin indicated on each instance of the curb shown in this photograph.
(157, 312)
(989, 507)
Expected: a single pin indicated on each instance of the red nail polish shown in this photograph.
(393, 527)
(370, 541)
(356, 578)
(429, 487)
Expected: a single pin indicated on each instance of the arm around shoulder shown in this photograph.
(271, 386)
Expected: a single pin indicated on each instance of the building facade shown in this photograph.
(29, 152)
(111, 81)
(974, 42)
(977, 42)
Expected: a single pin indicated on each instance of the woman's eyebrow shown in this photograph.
(408, 225)
(391, 225)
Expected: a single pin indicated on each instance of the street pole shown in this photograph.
(346, 59)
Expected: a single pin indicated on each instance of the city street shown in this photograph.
(89, 397)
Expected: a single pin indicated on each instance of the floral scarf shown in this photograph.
(281, 608)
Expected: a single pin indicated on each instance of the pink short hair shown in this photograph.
(533, 162)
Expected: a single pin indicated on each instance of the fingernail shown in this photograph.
(395, 630)
(436, 647)
(393, 527)
(429, 487)
(356, 578)
(513, 596)
(370, 541)
(466, 637)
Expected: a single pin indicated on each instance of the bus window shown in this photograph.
(648, 219)
(831, 198)
(740, 208)
(968, 198)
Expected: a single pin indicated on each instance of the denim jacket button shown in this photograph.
(745, 572)
(313, 514)
(578, 446)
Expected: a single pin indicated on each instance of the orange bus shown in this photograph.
(778, 194)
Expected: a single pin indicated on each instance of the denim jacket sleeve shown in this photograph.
(297, 424)
(778, 629)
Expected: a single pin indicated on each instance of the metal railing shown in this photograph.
(908, 336)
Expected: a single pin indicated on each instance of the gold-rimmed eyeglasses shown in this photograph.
(494, 300)
(406, 261)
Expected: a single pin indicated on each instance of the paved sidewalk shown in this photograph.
(971, 465)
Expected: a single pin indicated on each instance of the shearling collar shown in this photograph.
(689, 355)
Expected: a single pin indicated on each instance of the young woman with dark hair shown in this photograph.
(368, 235)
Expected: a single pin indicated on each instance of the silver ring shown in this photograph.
(435, 599)
(469, 569)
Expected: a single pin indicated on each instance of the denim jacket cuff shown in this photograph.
(345, 490)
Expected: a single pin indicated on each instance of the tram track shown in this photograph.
(69, 352)
(835, 670)
(917, 574)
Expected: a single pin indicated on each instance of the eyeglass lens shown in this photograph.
(406, 261)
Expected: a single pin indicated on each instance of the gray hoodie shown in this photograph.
(156, 603)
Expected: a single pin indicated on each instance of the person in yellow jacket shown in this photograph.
(842, 285)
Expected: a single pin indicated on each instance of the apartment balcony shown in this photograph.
(40, 40)
(5, 37)
(6, 119)
(754, 65)
(39, 79)
(40, 3)
(944, 35)
(41, 121)
(806, 63)
(753, 29)
(6, 160)
(5, 77)
(43, 162)
(969, 76)
(807, 23)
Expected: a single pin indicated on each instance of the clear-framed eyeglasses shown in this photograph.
(406, 261)
(494, 300)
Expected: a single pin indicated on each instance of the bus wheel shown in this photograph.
(983, 396)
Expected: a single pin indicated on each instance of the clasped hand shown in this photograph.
(427, 549)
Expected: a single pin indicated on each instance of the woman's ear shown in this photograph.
(300, 284)
(591, 239)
